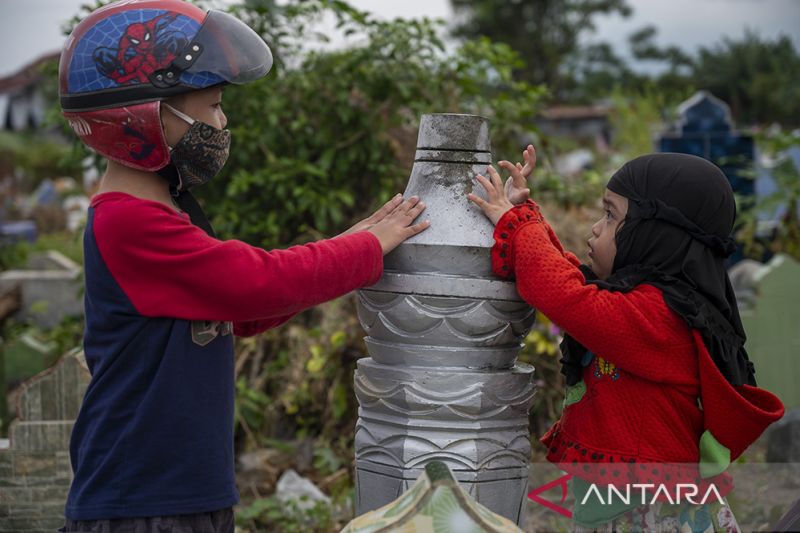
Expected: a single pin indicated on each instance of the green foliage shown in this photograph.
(25, 350)
(272, 514)
(327, 461)
(249, 410)
(569, 191)
(541, 350)
(634, 122)
(35, 157)
(783, 204)
(757, 78)
(327, 136)
(15, 256)
(545, 32)
(638, 117)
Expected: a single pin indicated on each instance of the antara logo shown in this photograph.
(638, 493)
(560, 482)
(682, 491)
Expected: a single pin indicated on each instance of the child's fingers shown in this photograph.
(519, 180)
(410, 231)
(496, 181)
(407, 205)
(490, 189)
(477, 200)
(506, 165)
(519, 166)
(387, 208)
(529, 155)
(415, 211)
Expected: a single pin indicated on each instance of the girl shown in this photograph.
(659, 386)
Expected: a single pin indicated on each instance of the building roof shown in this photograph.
(565, 112)
(27, 75)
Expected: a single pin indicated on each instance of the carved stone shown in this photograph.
(442, 382)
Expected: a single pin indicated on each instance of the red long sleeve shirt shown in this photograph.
(647, 372)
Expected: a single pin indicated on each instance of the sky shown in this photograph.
(31, 28)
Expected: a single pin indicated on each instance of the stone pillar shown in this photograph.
(442, 382)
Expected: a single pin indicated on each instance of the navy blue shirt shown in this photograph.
(154, 436)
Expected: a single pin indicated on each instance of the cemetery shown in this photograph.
(424, 394)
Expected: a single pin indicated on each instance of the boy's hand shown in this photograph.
(395, 227)
(498, 202)
(516, 187)
(377, 216)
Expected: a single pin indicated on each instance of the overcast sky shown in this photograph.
(30, 28)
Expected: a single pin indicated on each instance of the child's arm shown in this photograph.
(616, 326)
(169, 267)
(518, 192)
(250, 328)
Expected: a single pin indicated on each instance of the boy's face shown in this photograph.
(603, 243)
(204, 105)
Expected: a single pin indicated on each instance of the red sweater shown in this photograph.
(648, 369)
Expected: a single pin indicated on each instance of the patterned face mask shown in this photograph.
(201, 153)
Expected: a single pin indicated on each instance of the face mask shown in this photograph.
(201, 153)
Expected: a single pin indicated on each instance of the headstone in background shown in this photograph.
(705, 129)
(35, 471)
(768, 295)
(51, 289)
(16, 231)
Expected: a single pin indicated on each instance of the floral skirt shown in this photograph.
(665, 517)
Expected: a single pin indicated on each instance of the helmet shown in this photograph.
(123, 59)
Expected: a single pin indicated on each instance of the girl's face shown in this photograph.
(603, 243)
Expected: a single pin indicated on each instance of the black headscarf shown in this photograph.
(676, 236)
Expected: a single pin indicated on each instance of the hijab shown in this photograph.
(676, 236)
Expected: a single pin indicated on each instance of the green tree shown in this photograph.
(757, 77)
(546, 33)
(782, 205)
(330, 134)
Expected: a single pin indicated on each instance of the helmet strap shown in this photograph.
(185, 199)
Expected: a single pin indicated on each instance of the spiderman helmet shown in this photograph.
(123, 59)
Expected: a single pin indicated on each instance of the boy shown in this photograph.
(152, 448)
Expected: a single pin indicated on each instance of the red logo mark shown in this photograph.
(559, 482)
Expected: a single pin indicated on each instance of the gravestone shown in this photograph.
(35, 471)
(51, 289)
(705, 129)
(767, 295)
(442, 381)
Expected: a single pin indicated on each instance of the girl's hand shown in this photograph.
(498, 202)
(516, 187)
(377, 216)
(395, 227)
